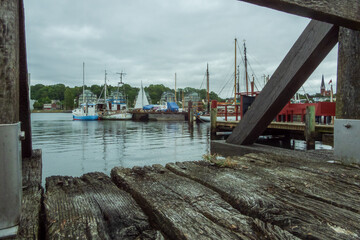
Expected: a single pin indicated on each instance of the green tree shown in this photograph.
(69, 99)
(155, 92)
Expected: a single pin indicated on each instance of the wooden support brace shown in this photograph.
(309, 50)
(24, 101)
(342, 13)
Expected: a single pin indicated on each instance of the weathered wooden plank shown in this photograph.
(343, 13)
(29, 226)
(24, 101)
(184, 209)
(9, 61)
(305, 203)
(309, 50)
(348, 84)
(92, 207)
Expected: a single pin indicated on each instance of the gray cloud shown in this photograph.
(151, 40)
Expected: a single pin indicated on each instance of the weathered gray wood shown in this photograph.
(24, 103)
(184, 209)
(9, 61)
(343, 13)
(309, 50)
(29, 226)
(308, 204)
(348, 83)
(310, 127)
(92, 207)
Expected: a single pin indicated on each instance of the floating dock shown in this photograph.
(267, 193)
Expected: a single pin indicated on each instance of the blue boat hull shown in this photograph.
(85, 118)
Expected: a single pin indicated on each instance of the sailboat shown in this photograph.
(141, 99)
(246, 98)
(87, 110)
(115, 106)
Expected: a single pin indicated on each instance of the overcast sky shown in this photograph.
(152, 40)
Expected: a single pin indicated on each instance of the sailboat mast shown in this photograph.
(105, 87)
(175, 87)
(208, 87)
(142, 94)
(246, 72)
(83, 82)
(235, 74)
(238, 79)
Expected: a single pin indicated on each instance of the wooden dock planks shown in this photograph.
(307, 199)
(92, 207)
(185, 209)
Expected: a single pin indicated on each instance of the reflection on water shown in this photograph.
(73, 147)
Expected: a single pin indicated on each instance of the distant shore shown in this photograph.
(51, 111)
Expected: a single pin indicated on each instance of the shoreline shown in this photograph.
(51, 111)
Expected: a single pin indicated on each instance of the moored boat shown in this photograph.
(115, 107)
(87, 111)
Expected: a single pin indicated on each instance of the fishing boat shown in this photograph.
(87, 110)
(115, 106)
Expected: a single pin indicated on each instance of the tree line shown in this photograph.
(68, 96)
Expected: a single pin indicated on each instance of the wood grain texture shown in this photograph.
(342, 13)
(306, 199)
(184, 209)
(348, 82)
(307, 53)
(9, 61)
(31, 205)
(92, 207)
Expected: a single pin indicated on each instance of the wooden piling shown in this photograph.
(310, 127)
(348, 84)
(9, 61)
(190, 114)
(213, 115)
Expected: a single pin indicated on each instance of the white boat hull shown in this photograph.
(116, 116)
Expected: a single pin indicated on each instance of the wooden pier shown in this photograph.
(294, 129)
(267, 193)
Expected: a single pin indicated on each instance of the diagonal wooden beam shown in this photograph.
(345, 13)
(309, 50)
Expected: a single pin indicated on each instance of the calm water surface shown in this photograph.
(73, 148)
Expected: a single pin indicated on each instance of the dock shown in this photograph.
(262, 193)
(294, 129)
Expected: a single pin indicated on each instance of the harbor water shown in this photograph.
(72, 148)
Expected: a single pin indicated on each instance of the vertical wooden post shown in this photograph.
(310, 127)
(213, 115)
(24, 101)
(190, 114)
(347, 122)
(9, 62)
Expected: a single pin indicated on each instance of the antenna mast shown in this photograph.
(121, 74)
(83, 83)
